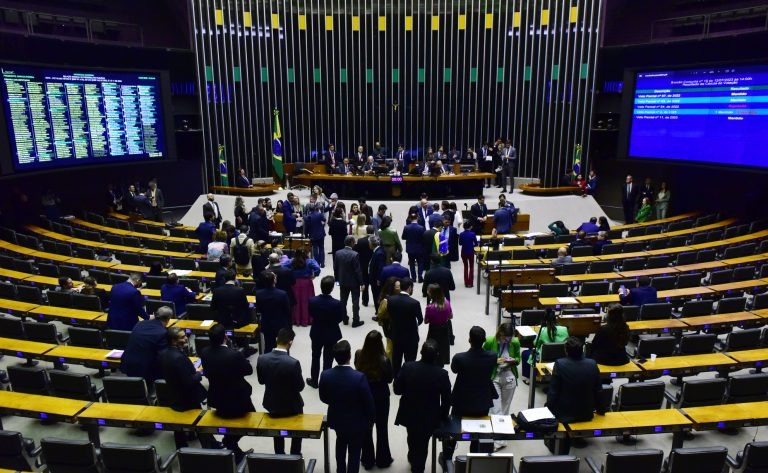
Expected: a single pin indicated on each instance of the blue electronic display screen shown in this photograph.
(710, 115)
(64, 117)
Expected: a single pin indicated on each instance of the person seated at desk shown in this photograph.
(442, 169)
(603, 224)
(345, 169)
(602, 240)
(369, 168)
(575, 390)
(90, 288)
(562, 257)
(503, 219)
(610, 341)
(242, 180)
(558, 228)
(641, 295)
(174, 292)
(589, 227)
(66, 285)
(146, 341)
(581, 240)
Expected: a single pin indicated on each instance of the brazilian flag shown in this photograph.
(277, 146)
(223, 167)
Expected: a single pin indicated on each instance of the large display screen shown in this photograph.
(710, 115)
(59, 117)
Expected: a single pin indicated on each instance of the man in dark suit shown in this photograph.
(281, 376)
(147, 339)
(629, 193)
(275, 310)
(359, 156)
(473, 392)
(344, 168)
(405, 317)
(228, 391)
(225, 264)
(347, 265)
(647, 192)
(425, 392)
(315, 226)
(478, 215)
(401, 159)
(423, 212)
(212, 207)
(396, 269)
(575, 390)
(429, 247)
(326, 314)
(126, 304)
(643, 294)
(435, 216)
(242, 180)
(377, 263)
(364, 251)
(581, 240)
(508, 165)
(486, 161)
(258, 224)
(182, 381)
(230, 302)
(350, 407)
(413, 235)
(285, 278)
(439, 275)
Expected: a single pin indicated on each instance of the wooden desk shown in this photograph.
(15, 307)
(676, 218)
(701, 266)
(195, 326)
(90, 357)
(598, 300)
(656, 421)
(649, 272)
(117, 231)
(740, 286)
(572, 278)
(24, 348)
(130, 268)
(725, 415)
(750, 358)
(91, 263)
(612, 423)
(245, 425)
(687, 365)
(165, 418)
(629, 370)
(40, 407)
(302, 426)
(120, 216)
(66, 315)
(673, 294)
(655, 326)
(111, 414)
(705, 322)
(47, 281)
(9, 275)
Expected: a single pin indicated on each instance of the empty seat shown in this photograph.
(213, 266)
(696, 308)
(731, 252)
(132, 242)
(42, 332)
(753, 459)
(513, 242)
(601, 267)
(633, 247)
(685, 258)
(16, 452)
(59, 299)
(698, 238)
(637, 231)
(745, 273)
(746, 388)
(153, 304)
(631, 313)
(633, 264)
(85, 337)
(640, 396)
(698, 392)
(659, 244)
(697, 344)
(742, 339)
(549, 464)
(656, 311)
(760, 301)
(595, 288)
(551, 352)
(129, 258)
(121, 458)
(86, 253)
(25, 266)
(201, 312)
(731, 304)
(73, 386)
(86, 302)
(681, 225)
(71, 272)
(549, 290)
(204, 460)
(117, 278)
(704, 256)
(578, 251)
(102, 277)
(47, 269)
(258, 462)
(149, 260)
(29, 294)
(565, 238)
(69, 456)
(698, 459)
(721, 277)
(194, 284)
(677, 241)
(543, 239)
(629, 461)
(28, 379)
(126, 390)
(659, 346)
(532, 316)
(689, 280)
(580, 311)
(714, 235)
(157, 245)
(612, 249)
(113, 239)
(11, 327)
(201, 343)
(658, 262)
(188, 264)
(7, 290)
(116, 339)
(574, 268)
(664, 283)
(523, 254)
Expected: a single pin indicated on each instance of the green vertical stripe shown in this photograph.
(499, 74)
(527, 74)
(447, 74)
(369, 76)
(264, 74)
(421, 75)
(395, 76)
(584, 71)
(208, 74)
(555, 71)
(236, 73)
(291, 75)
(343, 75)
(317, 74)
(473, 74)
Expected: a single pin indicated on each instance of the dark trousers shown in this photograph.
(280, 446)
(418, 448)
(469, 269)
(348, 447)
(508, 171)
(375, 291)
(318, 251)
(380, 457)
(230, 442)
(270, 341)
(181, 440)
(403, 351)
(416, 265)
(364, 295)
(355, 291)
(629, 213)
(157, 214)
(327, 351)
(449, 445)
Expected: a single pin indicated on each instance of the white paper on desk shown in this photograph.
(206, 323)
(115, 355)
(526, 331)
(208, 297)
(550, 366)
(538, 413)
(477, 426)
(179, 272)
(502, 425)
(567, 300)
(274, 234)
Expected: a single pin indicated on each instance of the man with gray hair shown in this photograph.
(126, 304)
(147, 339)
(285, 278)
(347, 265)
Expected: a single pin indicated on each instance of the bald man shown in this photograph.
(212, 207)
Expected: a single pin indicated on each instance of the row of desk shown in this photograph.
(128, 233)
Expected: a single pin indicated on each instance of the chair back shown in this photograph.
(660, 346)
(698, 459)
(721, 277)
(72, 385)
(259, 462)
(41, 332)
(634, 461)
(60, 299)
(153, 304)
(155, 282)
(69, 456)
(697, 308)
(523, 254)
(28, 379)
(601, 267)
(744, 273)
(728, 305)
(122, 458)
(549, 464)
(664, 283)
(746, 388)
(490, 463)
(702, 392)
(86, 302)
(553, 290)
(743, 339)
(689, 280)
(658, 261)
(213, 266)
(656, 311)
(574, 268)
(204, 460)
(185, 264)
(697, 344)
(755, 457)
(116, 339)
(126, 390)
(631, 313)
(11, 327)
(551, 352)
(532, 316)
(85, 337)
(29, 294)
(163, 393)
(200, 312)
(578, 251)
(640, 396)
(595, 288)
(12, 452)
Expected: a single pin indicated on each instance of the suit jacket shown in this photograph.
(219, 279)
(478, 211)
(159, 198)
(214, 209)
(146, 341)
(629, 199)
(281, 375)
(378, 261)
(326, 314)
(574, 392)
(433, 219)
(231, 304)
(204, 233)
(364, 251)
(285, 281)
(423, 214)
(258, 226)
(405, 317)
(428, 242)
(315, 226)
(344, 168)
(347, 263)
(647, 191)
(397, 270)
(413, 234)
(179, 295)
(473, 393)
(182, 380)
(349, 399)
(228, 391)
(425, 392)
(126, 305)
(242, 181)
(441, 276)
(275, 310)
(640, 296)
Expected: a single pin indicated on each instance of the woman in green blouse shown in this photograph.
(390, 240)
(507, 349)
(644, 212)
(549, 332)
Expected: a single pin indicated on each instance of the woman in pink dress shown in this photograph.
(438, 315)
(304, 270)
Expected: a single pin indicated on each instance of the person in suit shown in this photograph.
(508, 165)
(425, 391)
(212, 207)
(629, 193)
(281, 376)
(126, 304)
(315, 226)
(435, 216)
(396, 269)
(330, 158)
(369, 168)
(643, 294)
(440, 275)
(503, 219)
(376, 265)
(473, 392)
(423, 212)
(487, 161)
(228, 391)
(591, 182)
(156, 201)
(401, 159)
(147, 339)
(258, 224)
(646, 191)
(405, 317)
(581, 240)
(230, 302)
(326, 313)
(364, 251)
(602, 240)
(183, 383)
(429, 246)
(575, 390)
(225, 264)
(275, 309)
(589, 227)
(242, 180)
(359, 156)
(345, 169)
(347, 266)
(351, 411)
(204, 233)
(413, 235)
(285, 278)
(174, 292)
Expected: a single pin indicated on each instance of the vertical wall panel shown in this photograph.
(455, 73)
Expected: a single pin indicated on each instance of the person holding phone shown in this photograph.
(504, 376)
(641, 295)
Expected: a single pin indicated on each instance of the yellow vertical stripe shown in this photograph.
(382, 23)
(328, 23)
(488, 21)
(544, 17)
(435, 22)
(574, 14)
(247, 20)
(516, 19)
(355, 23)
(275, 21)
(219, 17)
(462, 22)
(303, 22)
(409, 23)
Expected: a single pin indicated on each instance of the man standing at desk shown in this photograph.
(503, 219)
(231, 303)
(147, 339)
(315, 227)
(350, 407)
(156, 201)
(281, 376)
(478, 215)
(126, 304)
(275, 309)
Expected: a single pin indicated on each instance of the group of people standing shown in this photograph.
(640, 201)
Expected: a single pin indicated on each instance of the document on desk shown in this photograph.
(180, 272)
(538, 413)
(208, 297)
(206, 323)
(476, 426)
(115, 355)
(502, 425)
(526, 331)
(567, 300)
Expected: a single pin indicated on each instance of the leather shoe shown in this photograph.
(311, 383)
(357, 323)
